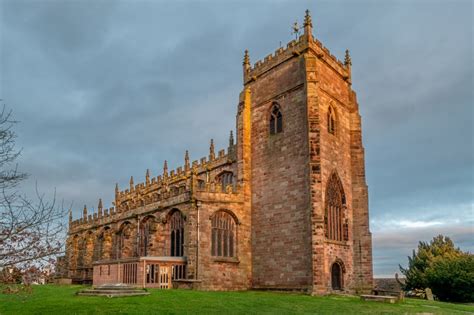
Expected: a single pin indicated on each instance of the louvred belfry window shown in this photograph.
(276, 120)
(335, 224)
(223, 235)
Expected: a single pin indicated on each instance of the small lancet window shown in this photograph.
(331, 121)
(276, 120)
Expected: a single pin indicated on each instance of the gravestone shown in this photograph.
(429, 294)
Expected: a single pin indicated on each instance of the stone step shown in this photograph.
(379, 298)
(111, 291)
(115, 287)
(116, 294)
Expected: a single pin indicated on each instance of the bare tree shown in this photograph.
(32, 230)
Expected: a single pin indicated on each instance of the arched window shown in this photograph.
(103, 244)
(145, 237)
(201, 184)
(223, 235)
(74, 252)
(334, 214)
(99, 247)
(177, 234)
(276, 120)
(331, 120)
(89, 250)
(225, 179)
(124, 244)
(336, 276)
(81, 252)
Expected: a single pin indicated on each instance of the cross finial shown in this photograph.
(347, 59)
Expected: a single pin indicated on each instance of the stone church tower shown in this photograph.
(285, 207)
(309, 199)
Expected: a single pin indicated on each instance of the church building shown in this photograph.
(284, 206)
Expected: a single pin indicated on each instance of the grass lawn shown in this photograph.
(51, 299)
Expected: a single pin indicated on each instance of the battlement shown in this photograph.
(294, 48)
(178, 184)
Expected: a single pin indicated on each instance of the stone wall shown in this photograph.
(276, 194)
(280, 204)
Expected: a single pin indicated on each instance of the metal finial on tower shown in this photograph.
(84, 212)
(70, 216)
(116, 190)
(186, 161)
(212, 154)
(231, 139)
(295, 30)
(347, 59)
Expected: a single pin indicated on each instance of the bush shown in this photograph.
(445, 269)
(452, 278)
(421, 260)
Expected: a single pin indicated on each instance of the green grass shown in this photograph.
(58, 300)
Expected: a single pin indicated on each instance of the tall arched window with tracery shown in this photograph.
(223, 235)
(276, 120)
(99, 247)
(177, 234)
(331, 120)
(124, 241)
(336, 227)
(145, 237)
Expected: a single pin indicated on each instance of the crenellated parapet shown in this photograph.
(170, 188)
(295, 47)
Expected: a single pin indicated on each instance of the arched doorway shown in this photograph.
(336, 276)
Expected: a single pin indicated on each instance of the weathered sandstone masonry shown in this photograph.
(284, 207)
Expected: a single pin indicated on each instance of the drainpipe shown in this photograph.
(198, 205)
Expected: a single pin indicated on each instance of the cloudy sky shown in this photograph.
(106, 89)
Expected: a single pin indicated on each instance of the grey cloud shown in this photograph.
(107, 89)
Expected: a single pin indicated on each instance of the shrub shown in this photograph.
(445, 269)
(452, 278)
(422, 259)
